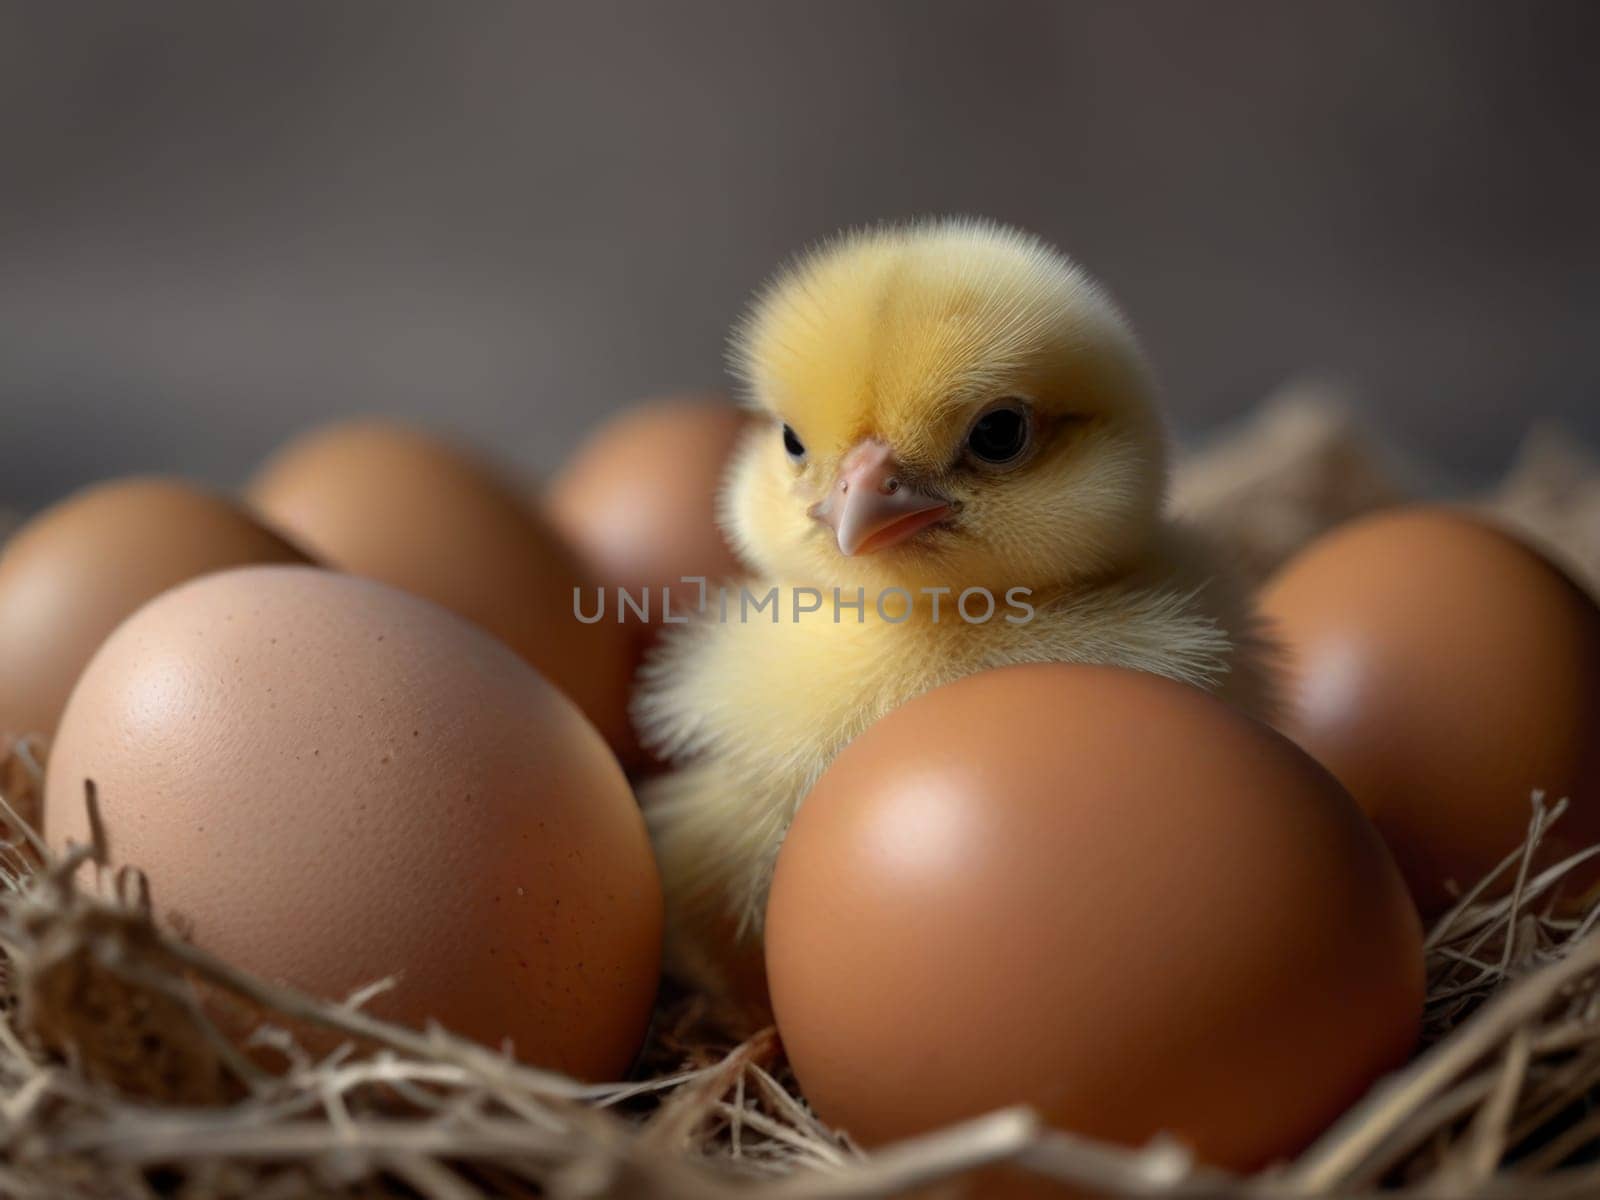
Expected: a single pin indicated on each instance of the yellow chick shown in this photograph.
(959, 465)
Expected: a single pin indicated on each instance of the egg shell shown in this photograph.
(1443, 670)
(328, 782)
(638, 501)
(68, 576)
(639, 498)
(406, 508)
(1098, 892)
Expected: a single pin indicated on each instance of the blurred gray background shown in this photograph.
(220, 222)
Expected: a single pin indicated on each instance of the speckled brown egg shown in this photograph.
(404, 507)
(1444, 670)
(329, 782)
(1097, 892)
(69, 575)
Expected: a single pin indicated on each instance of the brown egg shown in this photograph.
(638, 501)
(400, 506)
(639, 498)
(1443, 670)
(329, 782)
(72, 573)
(1097, 892)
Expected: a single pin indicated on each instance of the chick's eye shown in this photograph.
(999, 436)
(793, 444)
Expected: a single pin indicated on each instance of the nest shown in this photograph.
(124, 1071)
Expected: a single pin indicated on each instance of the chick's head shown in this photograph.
(950, 404)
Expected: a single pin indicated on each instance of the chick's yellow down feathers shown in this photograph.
(948, 407)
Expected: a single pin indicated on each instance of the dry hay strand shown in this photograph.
(115, 1079)
(1296, 466)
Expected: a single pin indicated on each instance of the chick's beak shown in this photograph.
(870, 506)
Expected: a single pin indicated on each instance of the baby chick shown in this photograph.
(944, 406)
